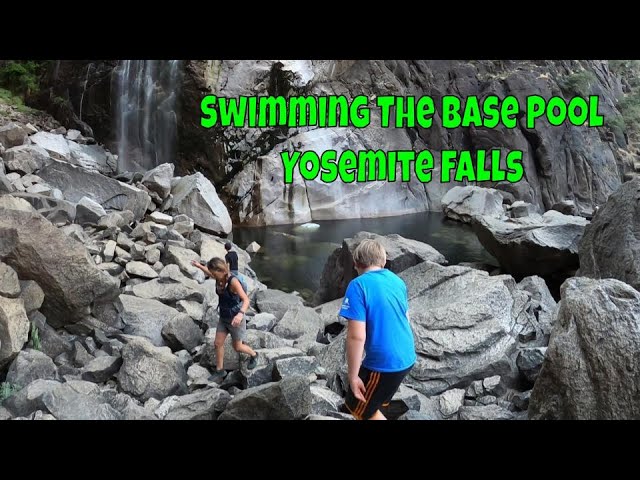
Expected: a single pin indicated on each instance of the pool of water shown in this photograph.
(293, 259)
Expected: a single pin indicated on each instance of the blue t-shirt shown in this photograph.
(379, 298)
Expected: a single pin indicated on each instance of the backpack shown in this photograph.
(243, 282)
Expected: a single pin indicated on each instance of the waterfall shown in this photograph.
(84, 89)
(146, 121)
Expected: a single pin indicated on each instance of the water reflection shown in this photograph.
(292, 258)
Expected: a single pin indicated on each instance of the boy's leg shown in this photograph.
(380, 388)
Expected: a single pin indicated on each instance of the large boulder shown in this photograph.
(301, 323)
(76, 182)
(591, 364)
(145, 317)
(30, 398)
(181, 333)
(402, 253)
(26, 159)
(206, 404)
(465, 324)
(150, 372)
(9, 282)
(288, 399)
(534, 245)
(64, 270)
(14, 329)
(31, 365)
(12, 135)
(92, 157)
(610, 247)
(166, 292)
(276, 302)
(196, 197)
(158, 180)
(74, 401)
(465, 203)
(55, 144)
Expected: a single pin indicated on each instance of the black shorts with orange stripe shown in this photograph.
(380, 388)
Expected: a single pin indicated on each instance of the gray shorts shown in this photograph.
(237, 333)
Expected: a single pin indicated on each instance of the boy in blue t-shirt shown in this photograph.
(376, 305)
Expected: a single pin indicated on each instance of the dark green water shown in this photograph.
(291, 259)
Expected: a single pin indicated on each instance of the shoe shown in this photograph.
(218, 376)
(253, 361)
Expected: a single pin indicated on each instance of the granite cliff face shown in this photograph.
(561, 163)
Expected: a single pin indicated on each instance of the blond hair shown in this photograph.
(369, 253)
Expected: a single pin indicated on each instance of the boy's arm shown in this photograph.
(356, 336)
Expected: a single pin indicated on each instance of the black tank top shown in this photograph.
(229, 303)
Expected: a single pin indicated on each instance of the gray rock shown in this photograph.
(567, 207)
(14, 329)
(276, 302)
(181, 332)
(534, 245)
(152, 256)
(32, 295)
(494, 385)
(101, 369)
(111, 268)
(149, 371)
(55, 144)
(51, 342)
(91, 157)
(172, 273)
(39, 189)
(30, 398)
(487, 400)
(414, 415)
(451, 401)
(194, 309)
(89, 211)
(489, 412)
(610, 248)
(262, 321)
(166, 292)
(12, 135)
(140, 269)
(301, 366)
(253, 247)
(299, 322)
(588, 367)
(264, 371)
(5, 185)
(465, 203)
(26, 159)
(76, 232)
(183, 225)
(161, 218)
(158, 180)
(38, 251)
(475, 389)
(333, 360)
(117, 219)
(402, 253)
(260, 339)
(81, 357)
(529, 362)
(66, 403)
(145, 317)
(198, 376)
(465, 325)
(196, 197)
(183, 258)
(405, 399)
(128, 407)
(31, 365)
(76, 183)
(288, 399)
(206, 404)
(9, 283)
(542, 303)
(521, 209)
(324, 400)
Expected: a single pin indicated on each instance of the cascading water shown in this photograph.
(146, 121)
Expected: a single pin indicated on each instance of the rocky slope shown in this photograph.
(578, 164)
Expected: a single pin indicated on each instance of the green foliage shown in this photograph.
(629, 107)
(629, 70)
(16, 101)
(6, 390)
(35, 337)
(21, 77)
(578, 83)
